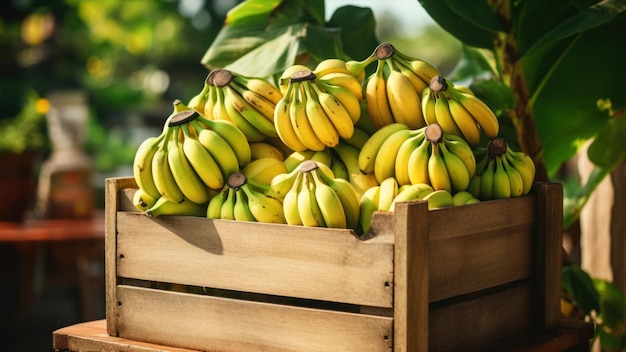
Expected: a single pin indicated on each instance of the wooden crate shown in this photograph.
(457, 278)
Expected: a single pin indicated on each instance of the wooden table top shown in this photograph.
(40, 230)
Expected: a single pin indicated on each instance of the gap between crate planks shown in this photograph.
(459, 277)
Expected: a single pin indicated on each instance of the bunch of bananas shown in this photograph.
(458, 111)
(393, 92)
(312, 196)
(316, 111)
(191, 157)
(248, 102)
(243, 200)
(502, 173)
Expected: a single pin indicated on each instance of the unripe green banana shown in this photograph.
(185, 207)
(227, 211)
(501, 183)
(410, 193)
(486, 182)
(439, 199)
(329, 203)
(459, 175)
(214, 208)
(368, 204)
(241, 211)
(263, 207)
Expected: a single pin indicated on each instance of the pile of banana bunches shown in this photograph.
(327, 146)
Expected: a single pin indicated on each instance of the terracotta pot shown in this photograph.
(17, 184)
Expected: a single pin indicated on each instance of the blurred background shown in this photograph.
(82, 84)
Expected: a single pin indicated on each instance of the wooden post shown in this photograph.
(411, 277)
(549, 235)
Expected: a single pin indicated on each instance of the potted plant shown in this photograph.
(22, 140)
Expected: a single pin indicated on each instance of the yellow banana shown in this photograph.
(285, 77)
(410, 193)
(385, 162)
(186, 178)
(418, 163)
(329, 203)
(261, 122)
(308, 207)
(349, 156)
(209, 104)
(459, 147)
(257, 102)
(465, 122)
(501, 182)
(348, 197)
(388, 191)
(346, 81)
(444, 117)
(330, 65)
(282, 183)
(214, 209)
(403, 99)
(263, 207)
(336, 112)
(401, 167)
(143, 201)
(220, 151)
(234, 137)
(198, 101)
(416, 81)
(349, 101)
(260, 86)
(219, 106)
(265, 150)
(421, 68)
(293, 160)
(437, 170)
(290, 201)
(320, 122)
(163, 178)
(428, 106)
(241, 211)
(368, 204)
(482, 114)
(201, 160)
(439, 199)
(459, 175)
(142, 165)
(515, 179)
(264, 170)
(283, 125)
(370, 149)
(300, 121)
(252, 133)
(376, 98)
(185, 207)
(524, 166)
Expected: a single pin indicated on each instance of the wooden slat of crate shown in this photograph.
(315, 263)
(235, 325)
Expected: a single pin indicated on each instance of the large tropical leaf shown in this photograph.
(358, 30)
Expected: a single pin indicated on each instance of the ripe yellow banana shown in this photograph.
(283, 125)
(421, 68)
(428, 106)
(163, 178)
(348, 197)
(336, 112)
(403, 99)
(320, 122)
(346, 81)
(401, 167)
(221, 153)
(349, 101)
(376, 98)
(257, 102)
(264, 170)
(444, 117)
(235, 138)
(416, 81)
(142, 165)
(410, 193)
(300, 121)
(285, 77)
(482, 114)
(185, 207)
(308, 206)
(261, 122)
(388, 191)
(190, 184)
(252, 133)
(458, 146)
(290, 201)
(437, 170)
(368, 204)
(143, 201)
(458, 172)
(329, 203)
(330, 65)
(203, 163)
(263, 207)
(265, 150)
(219, 106)
(385, 162)
(418, 163)
(370, 149)
(465, 122)
(349, 156)
(259, 86)
(501, 182)
(209, 104)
